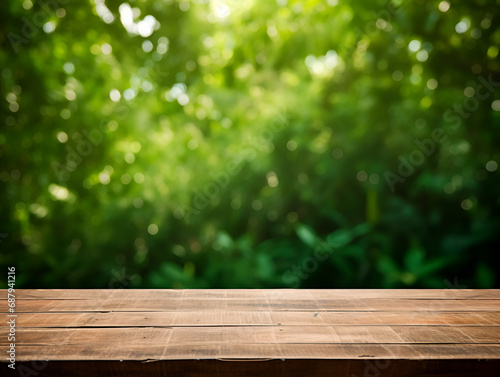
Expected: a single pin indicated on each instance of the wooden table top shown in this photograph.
(255, 324)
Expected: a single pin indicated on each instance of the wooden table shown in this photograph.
(364, 333)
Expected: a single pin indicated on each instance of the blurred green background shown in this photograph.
(249, 144)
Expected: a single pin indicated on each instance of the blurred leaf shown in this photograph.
(306, 234)
(414, 259)
(340, 237)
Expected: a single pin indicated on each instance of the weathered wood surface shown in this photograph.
(341, 330)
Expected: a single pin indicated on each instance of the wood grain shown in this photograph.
(254, 318)
(116, 330)
(255, 304)
(153, 294)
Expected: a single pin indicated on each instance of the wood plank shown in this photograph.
(328, 325)
(127, 351)
(288, 294)
(256, 318)
(259, 335)
(245, 305)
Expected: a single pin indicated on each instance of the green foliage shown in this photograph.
(250, 144)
